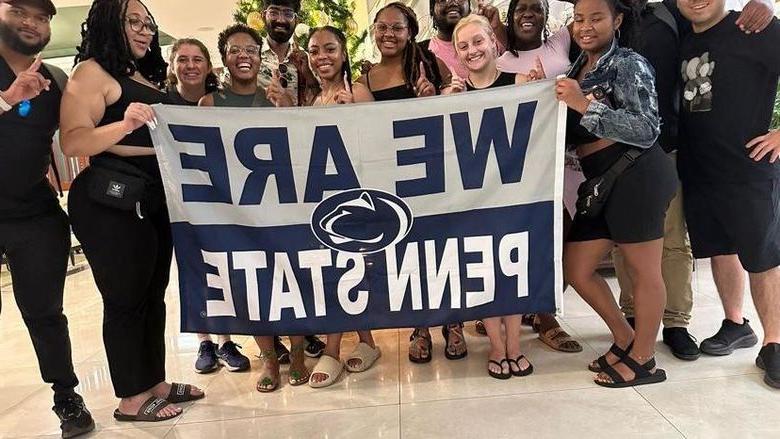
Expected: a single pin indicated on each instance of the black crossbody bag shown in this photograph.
(120, 185)
(592, 195)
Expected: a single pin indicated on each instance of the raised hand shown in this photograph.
(27, 85)
(138, 114)
(276, 93)
(537, 72)
(345, 96)
(490, 12)
(457, 84)
(424, 87)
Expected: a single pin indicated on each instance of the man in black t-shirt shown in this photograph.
(34, 231)
(729, 170)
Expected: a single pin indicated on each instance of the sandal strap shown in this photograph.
(614, 374)
(418, 333)
(640, 371)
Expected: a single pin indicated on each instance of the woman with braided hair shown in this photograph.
(406, 71)
(106, 115)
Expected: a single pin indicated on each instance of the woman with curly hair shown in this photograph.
(106, 116)
(406, 70)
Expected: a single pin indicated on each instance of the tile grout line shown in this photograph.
(659, 412)
(398, 405)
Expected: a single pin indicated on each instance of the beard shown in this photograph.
(282, 36)
(11, 38)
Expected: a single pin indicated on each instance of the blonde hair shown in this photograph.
(478, 20)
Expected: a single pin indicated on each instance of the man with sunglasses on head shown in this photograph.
(280, 53)
(285, 70)
(34, 231)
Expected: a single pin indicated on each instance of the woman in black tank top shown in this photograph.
(406, 70)
(475, 46)
(105, 115)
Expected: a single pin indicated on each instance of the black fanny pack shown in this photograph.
(592, 195)
(120, 185)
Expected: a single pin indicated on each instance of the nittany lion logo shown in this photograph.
(361, 221)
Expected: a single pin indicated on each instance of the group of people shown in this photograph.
(697, 88)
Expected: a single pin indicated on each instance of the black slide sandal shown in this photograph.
(147, 412)
(642, 374)
(602, 360)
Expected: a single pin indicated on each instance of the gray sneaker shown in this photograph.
(730, 336)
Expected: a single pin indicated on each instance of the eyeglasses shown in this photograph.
(138, 25)
(275, 14)
(382, 28)
(22, 15)
(251, 50)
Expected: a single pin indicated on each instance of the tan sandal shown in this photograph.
(367, 356)
(558, 339)
(328, 366)
(297, 377)
(268, 382)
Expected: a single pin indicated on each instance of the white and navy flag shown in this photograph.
(395, 214)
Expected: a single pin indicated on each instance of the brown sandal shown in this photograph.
(454, 339)
(558, 339)
(422, 341)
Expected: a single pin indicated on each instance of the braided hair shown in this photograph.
(513, 41)
(212, 83)
(346, 67)
(413, 53)
(104, 40)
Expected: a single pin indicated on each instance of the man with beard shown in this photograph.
(280, 18)
(34, 232)
(445, 15)
(296, 80)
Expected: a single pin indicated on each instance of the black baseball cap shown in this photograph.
(46, 5)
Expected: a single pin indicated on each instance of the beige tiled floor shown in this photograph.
(712, 397)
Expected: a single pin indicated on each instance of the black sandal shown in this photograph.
(642, 374)
(445, 332)
(418, 334)
(602, 360)
(529, 320)
(500, 375)
(521, 372)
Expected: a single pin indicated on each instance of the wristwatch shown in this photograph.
(5, 106)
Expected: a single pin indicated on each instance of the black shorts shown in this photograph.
(735, 218)
(636, 208)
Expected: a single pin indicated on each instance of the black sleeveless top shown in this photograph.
(577, 134)
(404, 91)
(134, 91)
(502, 80)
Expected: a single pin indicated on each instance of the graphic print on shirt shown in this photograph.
(697, 74)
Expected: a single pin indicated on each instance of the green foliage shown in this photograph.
(316, 13)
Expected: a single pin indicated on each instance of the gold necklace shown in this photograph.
(495, 77)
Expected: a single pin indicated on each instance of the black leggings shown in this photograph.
(130, 260)
(37, 251)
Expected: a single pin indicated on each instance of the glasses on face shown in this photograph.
(22, 15)
(275, 14)
(138, 25)
(251, 50)
(383, 28)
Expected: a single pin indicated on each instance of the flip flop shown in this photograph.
(148, 412)
(367, 356)
(500, 364)
(520, 372)
(181, 393)
(558, 339)
(329, 366)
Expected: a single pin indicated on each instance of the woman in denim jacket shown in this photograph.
(613, 112)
